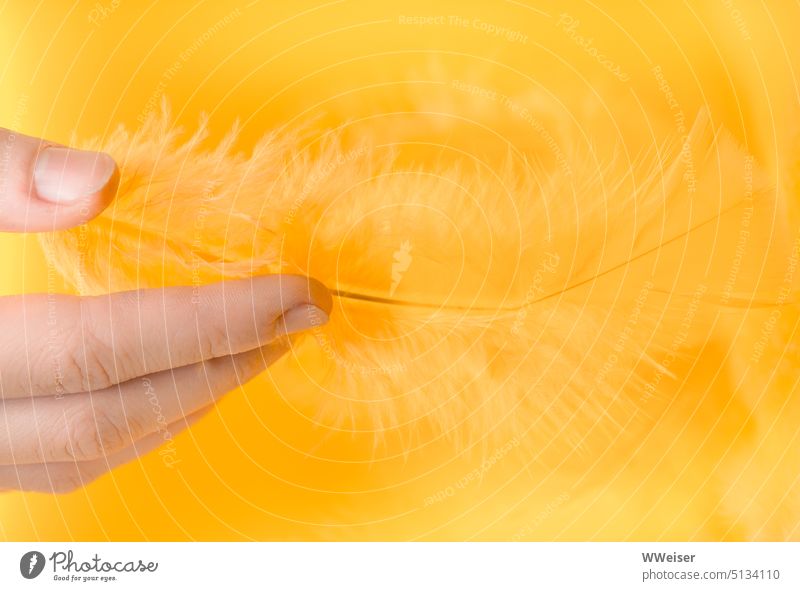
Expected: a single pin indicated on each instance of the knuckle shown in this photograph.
(219, 374)
(93, 433)
(213, 341)
(63, 482)
(86, 360)
(209, 312)
(246, 366)
(72, 478)
(84, 369)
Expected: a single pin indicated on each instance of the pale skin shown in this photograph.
(89, 383)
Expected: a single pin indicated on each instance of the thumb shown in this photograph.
(46, 186)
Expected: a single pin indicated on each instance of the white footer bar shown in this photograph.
(401, 566)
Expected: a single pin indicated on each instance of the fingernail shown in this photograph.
(301, 318)
(64, 175)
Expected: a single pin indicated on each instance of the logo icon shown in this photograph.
(31, 564)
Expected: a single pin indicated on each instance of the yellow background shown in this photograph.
(255, 469)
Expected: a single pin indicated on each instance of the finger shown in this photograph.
(84, 344)
(47, 186)
(66, 477)
(84, 427)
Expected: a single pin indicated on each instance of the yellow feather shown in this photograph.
(479, 295)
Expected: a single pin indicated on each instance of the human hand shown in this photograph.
(89, 383)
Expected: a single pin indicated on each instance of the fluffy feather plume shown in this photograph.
(478, 295)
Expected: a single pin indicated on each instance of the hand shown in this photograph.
(89, 383)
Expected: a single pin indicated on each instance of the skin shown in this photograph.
(80, 377)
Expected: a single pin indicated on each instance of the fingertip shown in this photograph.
(295, 303)
(301, 318)
(292, 290)
(103, 198)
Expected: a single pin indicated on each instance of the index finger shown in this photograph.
(67, 344)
